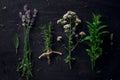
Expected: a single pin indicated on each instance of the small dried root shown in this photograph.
(47, 54)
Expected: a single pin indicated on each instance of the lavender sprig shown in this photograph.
(27, 19)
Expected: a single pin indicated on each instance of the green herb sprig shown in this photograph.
(47, 36)
(96, 30)
(70, 22)
(25, 66)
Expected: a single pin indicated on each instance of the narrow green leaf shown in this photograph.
(16, 41)
(101, 33)
(101, 27)
(86, 38)
(90, 26)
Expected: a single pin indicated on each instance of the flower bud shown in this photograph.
(23, 18)
(27, 13)
(20, 14)
(25, 7)
(71, 13)
(66, 26)
(59, 38)
(76, 35)
(78, 20)
(74, 29)
(59, 21)
(82, 33)
(35, 12)
(23, 24)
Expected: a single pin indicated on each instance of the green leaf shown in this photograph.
(69, 59)
(101, 27)
(16, 41)
(95, 56)
(63, 45)
(101, 33)
(99, 51)
(72, 58)
(96, 19)
(86, 38)
(90, 25)
(89, 52)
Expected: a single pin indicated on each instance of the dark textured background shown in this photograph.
(107, 66)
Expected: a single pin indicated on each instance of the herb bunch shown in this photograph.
(27, 18)
(96, 30)
(47, 36)
(70, 21)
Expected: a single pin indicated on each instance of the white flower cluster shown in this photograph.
(70, 21)
(67, 16)
(66, 26)
(61, 21)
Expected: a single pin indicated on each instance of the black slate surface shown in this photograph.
(52, 10)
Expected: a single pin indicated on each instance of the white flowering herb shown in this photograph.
(27, 19)
(47, 35)
(70, 21)
(96, 30)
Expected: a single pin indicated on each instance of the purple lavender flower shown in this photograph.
(23, 18)
(111, 36)
(20, 14)
(35, 12)
(27, 17)
(27, 13)
(25, 7)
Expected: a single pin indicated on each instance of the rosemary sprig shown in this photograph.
(47, 36)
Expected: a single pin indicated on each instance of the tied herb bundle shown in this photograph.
(47, 35)
(25, 66)
(70, 21)
(96, 30)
